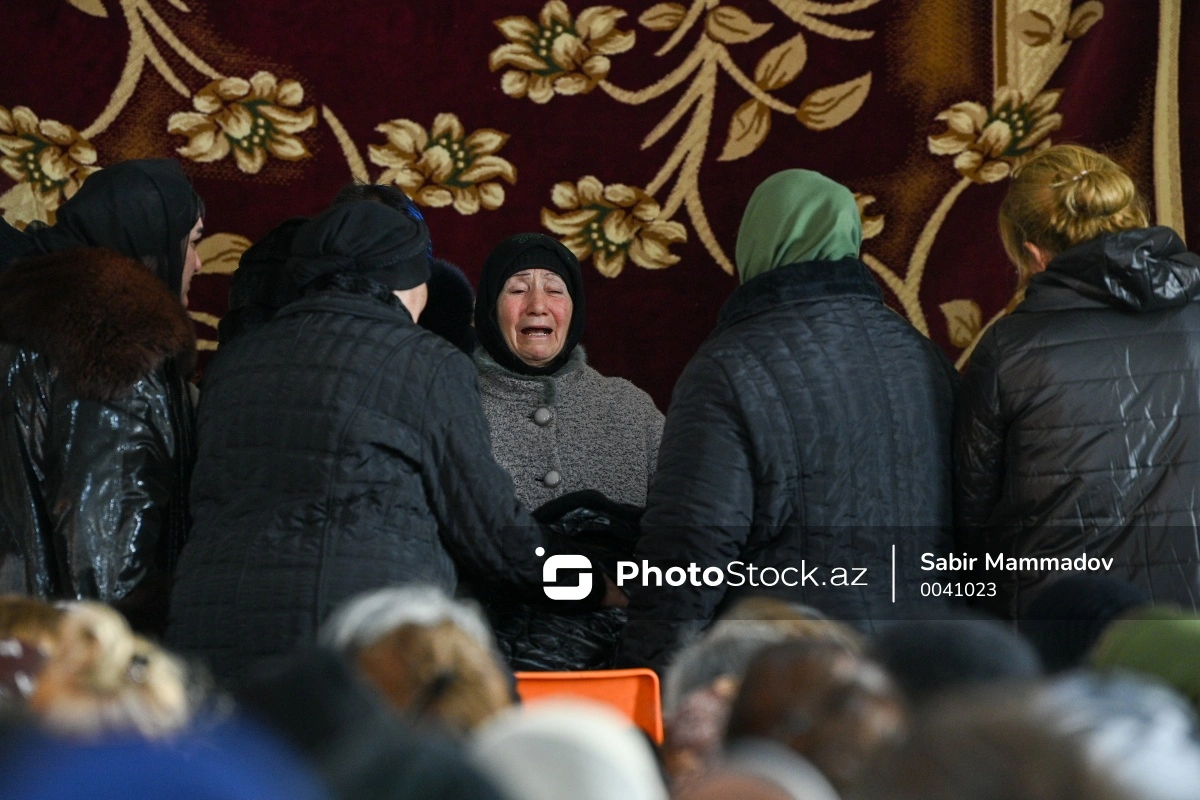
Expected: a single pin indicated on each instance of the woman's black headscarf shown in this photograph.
(143, 209)
(367, 239)
(450, 306)
(13, 244)
(516, 253)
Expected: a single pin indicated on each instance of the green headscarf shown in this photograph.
(1163, 642)
(793, 216)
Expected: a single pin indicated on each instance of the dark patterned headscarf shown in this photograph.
(143, 209)
(516, 253)
(367, 239)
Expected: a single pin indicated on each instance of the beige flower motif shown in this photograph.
(612, 222)
(251, 118)
(989, 145)
(49, 158)
(872, 224)
(444, 166)
(558, 54)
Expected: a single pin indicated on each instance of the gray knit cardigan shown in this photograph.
(575, 429)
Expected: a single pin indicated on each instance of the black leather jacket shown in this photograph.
(1077, 427)
(96, 436)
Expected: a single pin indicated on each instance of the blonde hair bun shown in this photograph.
(1063, 196)
(1097, 193)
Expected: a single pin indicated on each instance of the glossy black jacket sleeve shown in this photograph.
(979, 458)
(112, 480)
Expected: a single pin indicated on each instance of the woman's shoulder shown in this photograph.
(611, 384)
(615, 390)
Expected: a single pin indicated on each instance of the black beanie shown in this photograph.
(516, 253)
(932, 656)
(1067, 618)
(367, 239)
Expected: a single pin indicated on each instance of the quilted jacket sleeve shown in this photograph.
(700, 508)
(114, 479)
(654, 434)
(484, 527)
(979, 434)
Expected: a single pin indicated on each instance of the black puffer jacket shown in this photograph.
(1078, 425)
(812, 426)
(342, 448)
(96, 432)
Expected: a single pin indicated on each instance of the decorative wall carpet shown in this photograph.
(634, 132)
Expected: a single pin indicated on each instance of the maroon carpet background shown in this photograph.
(853, 89)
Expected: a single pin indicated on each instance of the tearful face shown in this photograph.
(534, 314)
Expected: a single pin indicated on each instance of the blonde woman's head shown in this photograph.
(1063, 196)
(103, 678)
(431, 656)
(437, 672)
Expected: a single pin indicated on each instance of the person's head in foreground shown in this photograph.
(568, 748)
(704, 677)
(831, 706)
(930, 657)
(986, 745)
(1067, 617)
(760, 770)
(1158, 641)
(430, 656)
(1144, 734)
(1083, 736)
(104, 679)
(314, 700)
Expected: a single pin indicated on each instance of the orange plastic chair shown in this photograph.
(634, 693)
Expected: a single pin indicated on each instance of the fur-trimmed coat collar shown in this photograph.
(100, 319)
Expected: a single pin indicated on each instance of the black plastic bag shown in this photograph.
(560, 636)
